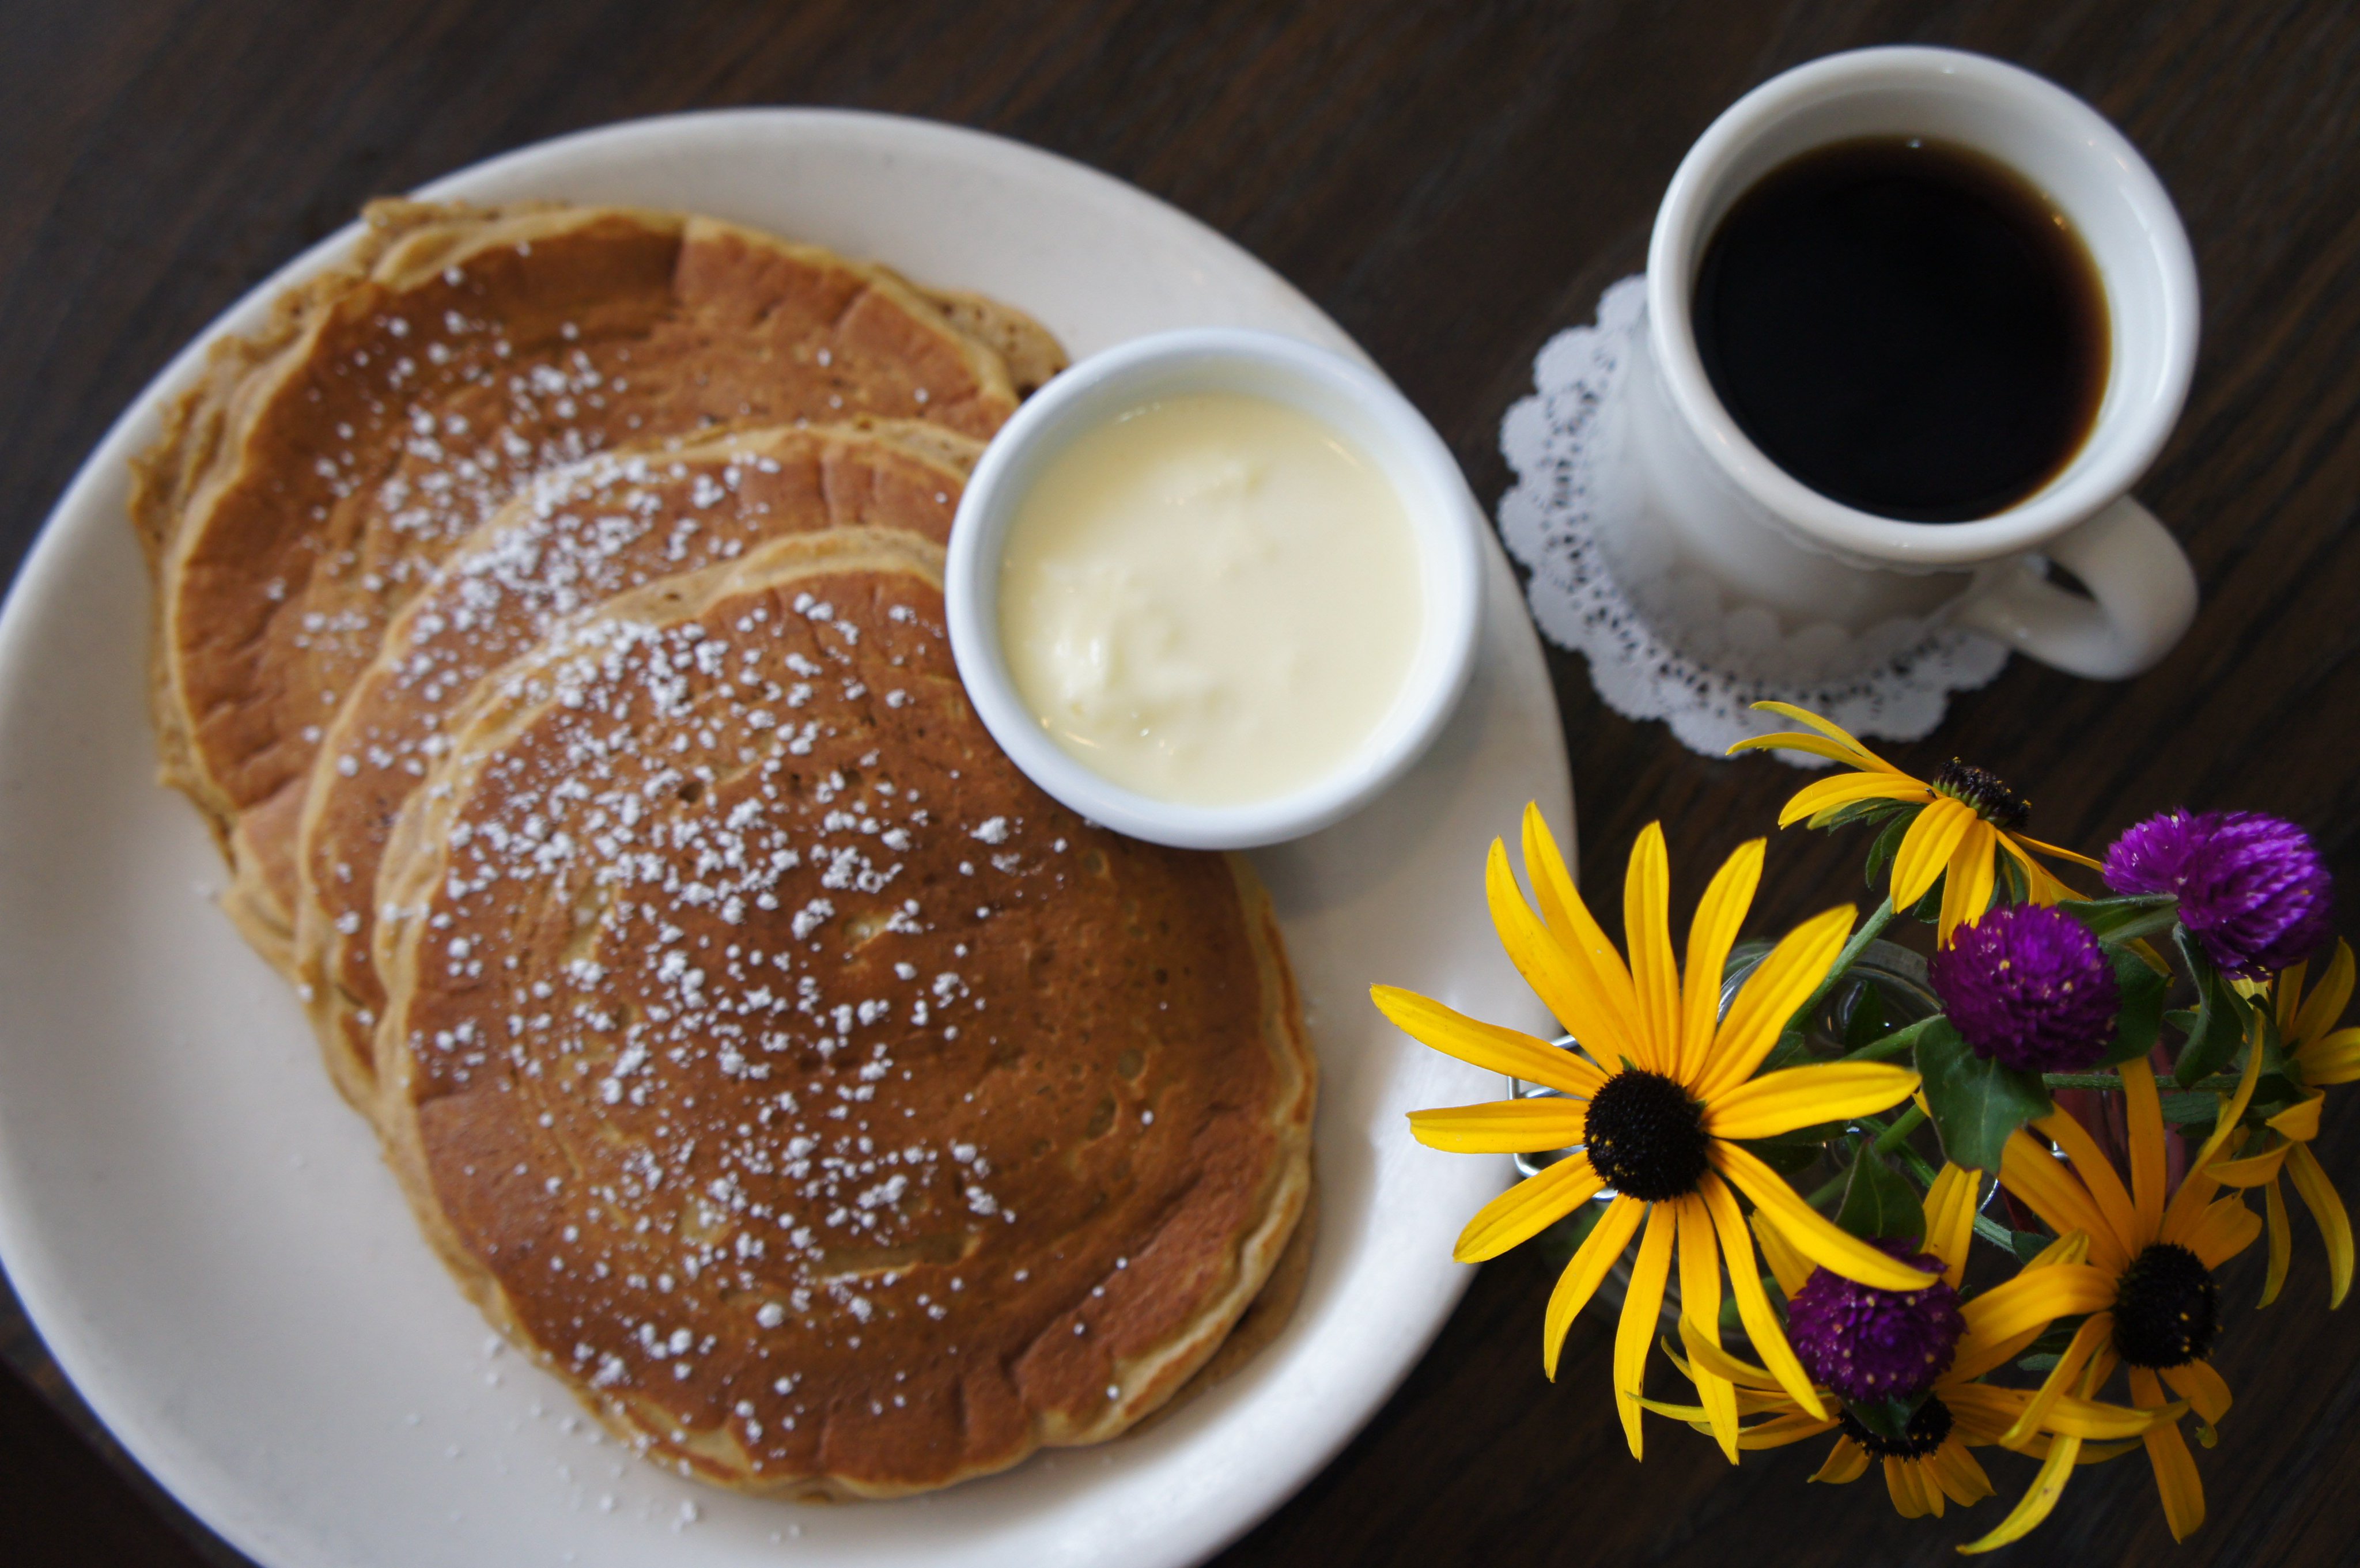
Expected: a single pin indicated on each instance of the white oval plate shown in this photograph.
(204, 1236)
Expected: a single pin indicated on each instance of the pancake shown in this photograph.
(839, 1115)
(306, 487)
(575, 536)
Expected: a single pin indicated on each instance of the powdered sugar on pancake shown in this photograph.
(791, 1065)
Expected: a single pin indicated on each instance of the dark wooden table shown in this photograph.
(1454, 182)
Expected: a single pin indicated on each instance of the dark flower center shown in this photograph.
(1645, 1136)
(2166, 1311)
(1924, 1435)
(1992, 799)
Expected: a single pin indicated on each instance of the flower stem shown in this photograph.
(1890, 1138)
(2218, 1083)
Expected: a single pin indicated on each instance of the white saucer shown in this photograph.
(204, 1233)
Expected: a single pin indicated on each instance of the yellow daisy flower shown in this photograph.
(2159, 1255)
(1971, 818)
(2318, 1054)
(1657, 1093)
(1931, 1464)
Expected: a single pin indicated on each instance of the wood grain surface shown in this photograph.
(1454, 182)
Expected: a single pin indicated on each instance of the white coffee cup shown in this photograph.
(1856, 586)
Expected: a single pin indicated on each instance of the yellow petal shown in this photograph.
(1705, 1352)
(1507, 1051)
(1950, 1204)
(1955, 1471)
(2143, 1116)
(1586, 959)
(2198, 1186)
(1926, 848)
(1979, 1412)
(1700, 1301)
(1761, 1324)
(2041, 1182)
(1967, 888)
(1799, 1096)
(1847, 1460)
(2299, 1121)
(1780, 984)
(1833, 731)
(1783, 1430)
(1788, 1267)
(1901, 1486)
(2202, 1387)
(1501, 1127)
(2037, 1503)
(2085, 1343)
(1647, 932)
(1579, 1282)
(2220, 1231)
(2281, 1244)
(2175, 1468)
(2335, 1058)
(1787, 740)
(1642, 1307)
(2318, 1195)
(2103, 1422)
(2254, 1170)
(2044, 887)
(1718, 916)
(1845, 790)
(1563, 978)
(2286, 994)
(1528, 1208)
(2098, 1179)
(2037, 1298)
(2323, 1007)
(1813, 1234)
(2057, 851)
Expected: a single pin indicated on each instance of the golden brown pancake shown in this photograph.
(574, 537)
(838, 1113)
(310, 481)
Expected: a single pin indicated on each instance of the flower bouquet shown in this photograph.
(2105, 1078)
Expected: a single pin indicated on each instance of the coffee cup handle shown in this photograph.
(2143, 597)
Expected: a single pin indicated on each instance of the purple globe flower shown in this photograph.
(2029, 987)
(1865, 1344)
(2251, 888)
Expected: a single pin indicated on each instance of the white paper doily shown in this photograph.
(1566, 443)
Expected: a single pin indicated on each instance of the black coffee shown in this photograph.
(1906, 326)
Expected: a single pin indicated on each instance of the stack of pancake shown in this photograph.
(549, 625)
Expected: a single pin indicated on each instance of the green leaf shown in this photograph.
(2028, 1245)
(1888, 1418)
(2141, 1018)
(1783, 1154)
(1888, 844)
(2011, 885)
(1928, 909)
(1791, 1051)
(2185, 1110)
(1976, 1103)
(1879, 1201)
(2220, 1027)
(2126, 918)
(1857, 812)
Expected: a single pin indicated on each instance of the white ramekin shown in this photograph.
(1358, 403)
